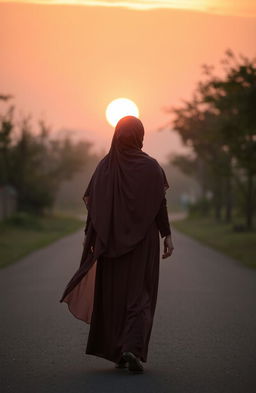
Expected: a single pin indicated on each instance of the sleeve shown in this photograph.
(162, 219)
(88, 191)
(86, 194)
(87, 223)
(86, 200)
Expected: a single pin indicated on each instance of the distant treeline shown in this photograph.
(219, 124)
(35, 163)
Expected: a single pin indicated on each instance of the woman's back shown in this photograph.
(126, 190)
(115, 288)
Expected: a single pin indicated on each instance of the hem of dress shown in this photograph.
(100, 355)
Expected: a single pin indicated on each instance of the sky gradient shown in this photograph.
(222, 7)
(67, 62)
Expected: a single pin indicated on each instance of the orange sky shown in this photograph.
(67, 62)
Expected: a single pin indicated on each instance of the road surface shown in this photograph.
(203, 338)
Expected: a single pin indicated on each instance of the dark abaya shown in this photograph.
(115, 287)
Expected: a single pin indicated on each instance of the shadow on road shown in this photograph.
(109, 381)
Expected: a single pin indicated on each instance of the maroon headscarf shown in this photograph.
(125, 191)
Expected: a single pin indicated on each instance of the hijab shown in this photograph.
(125, 192)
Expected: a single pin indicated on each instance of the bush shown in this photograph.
(200, 208)
(24, 220)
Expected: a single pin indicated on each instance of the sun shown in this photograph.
(119, 108)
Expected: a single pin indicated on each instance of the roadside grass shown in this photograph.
(24, 233)
(239, 245)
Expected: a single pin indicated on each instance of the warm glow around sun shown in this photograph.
(119, 108)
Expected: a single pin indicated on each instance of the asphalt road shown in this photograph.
(203, 339)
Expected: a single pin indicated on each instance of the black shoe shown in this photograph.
(134, 364)
(122, 363)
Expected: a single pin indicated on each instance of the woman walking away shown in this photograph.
(115, 288)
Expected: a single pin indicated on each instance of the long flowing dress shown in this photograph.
(115, 287)
(125, 297)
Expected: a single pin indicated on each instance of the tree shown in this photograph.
(234, 99)
(36, 164)
(219, 123)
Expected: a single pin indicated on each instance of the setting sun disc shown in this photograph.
(119, 108)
